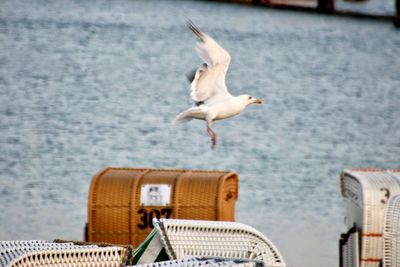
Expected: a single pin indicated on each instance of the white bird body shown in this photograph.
(223, 108)
(208, 90)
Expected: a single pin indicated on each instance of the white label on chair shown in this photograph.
(155, 195)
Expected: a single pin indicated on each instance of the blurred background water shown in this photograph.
(96, 83)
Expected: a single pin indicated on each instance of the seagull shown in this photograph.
(212, 100)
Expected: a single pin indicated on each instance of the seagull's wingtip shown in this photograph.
(194, 28)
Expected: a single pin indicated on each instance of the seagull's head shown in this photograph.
(248, 99)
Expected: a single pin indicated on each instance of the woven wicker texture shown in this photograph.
(194, 262)
(116, 214)
(366, 193)
(391, 234)
(189, 238)
(349, 246)
(10, 250)
(73, 257)
(62, 253)
(22, 243)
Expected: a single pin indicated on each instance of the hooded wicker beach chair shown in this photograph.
(123, 201)
(366, 193)
(178, 239)
(391, 233)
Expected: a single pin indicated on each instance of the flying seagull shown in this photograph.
(212, 100)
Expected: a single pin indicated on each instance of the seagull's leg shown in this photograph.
(212, 134)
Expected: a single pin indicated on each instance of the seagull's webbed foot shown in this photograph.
(213, 136)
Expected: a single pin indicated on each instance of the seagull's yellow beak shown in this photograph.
(259, 101)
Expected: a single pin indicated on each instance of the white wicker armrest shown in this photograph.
(21, 247)
(74, 257)
(22, 243)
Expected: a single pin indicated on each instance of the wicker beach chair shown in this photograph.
(366, 193)
(121, 205)
(189, 238)
(46, 253)
(391, 233)
(22, 243)
(349, 248)
(10, 250)
(74, 257)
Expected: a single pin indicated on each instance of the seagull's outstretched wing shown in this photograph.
(209, 80)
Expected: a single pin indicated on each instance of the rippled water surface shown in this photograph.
(95, 83)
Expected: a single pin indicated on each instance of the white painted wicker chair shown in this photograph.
(100, 256)
(366, 193)
(190, 238)
(45, 254)
(22, 243)
(349, 248)
(10, 250)
(391, 233)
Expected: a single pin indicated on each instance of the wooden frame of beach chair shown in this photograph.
(391, 233)
(366, 193)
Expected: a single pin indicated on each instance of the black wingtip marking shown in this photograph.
(194, 29)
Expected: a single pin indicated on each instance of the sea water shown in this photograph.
(96, 83)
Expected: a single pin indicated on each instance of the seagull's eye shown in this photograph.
(250, 97)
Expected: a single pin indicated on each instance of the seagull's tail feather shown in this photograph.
(188, 115)
(182, 118)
